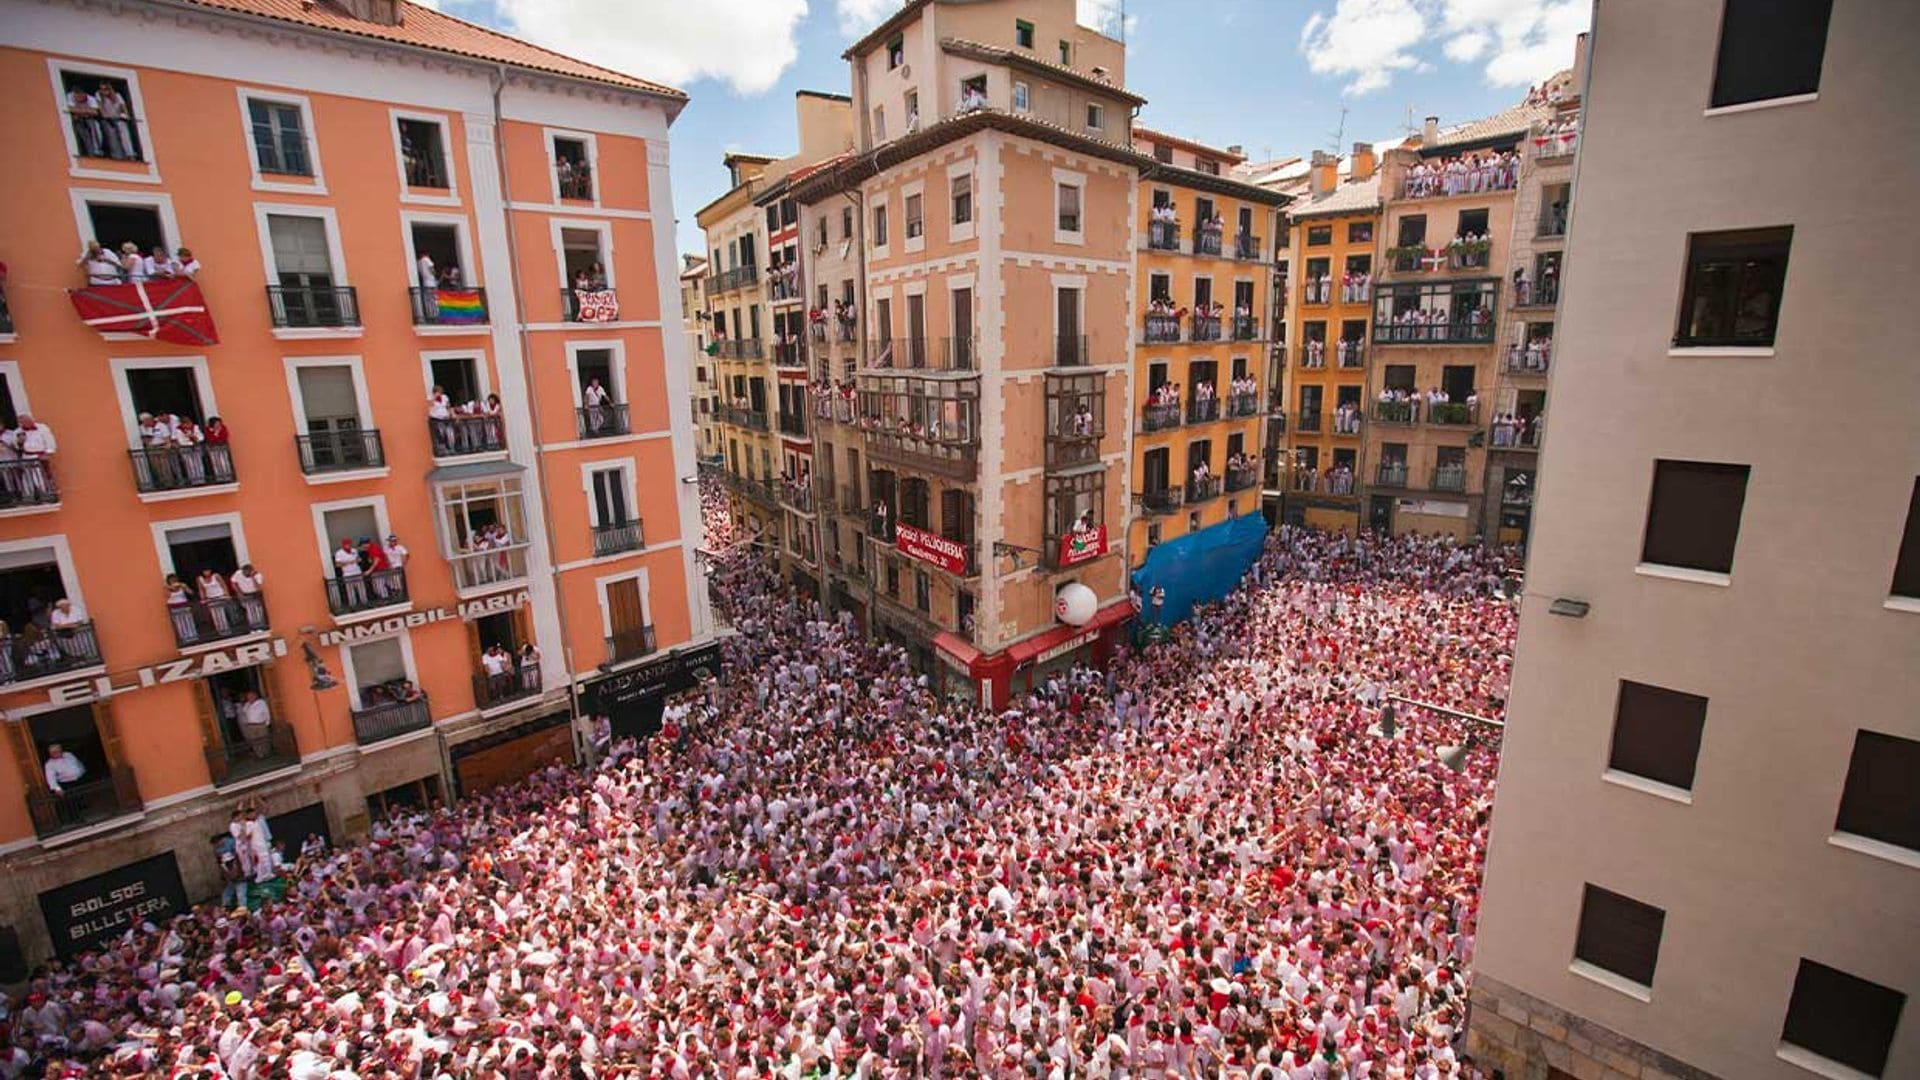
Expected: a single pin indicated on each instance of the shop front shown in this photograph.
(1026, 665)
(633, 699)
(93, 910)
(511, 754)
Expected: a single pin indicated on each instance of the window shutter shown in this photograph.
(210, 730)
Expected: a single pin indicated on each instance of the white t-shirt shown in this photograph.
(348, 562)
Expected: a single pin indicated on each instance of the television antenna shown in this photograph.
(1340, 133)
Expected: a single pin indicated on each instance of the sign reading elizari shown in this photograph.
(181, 670)
(467, 612)
(96, 909)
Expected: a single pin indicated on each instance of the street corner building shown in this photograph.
(327, 469)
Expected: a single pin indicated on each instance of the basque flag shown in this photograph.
(169, 310)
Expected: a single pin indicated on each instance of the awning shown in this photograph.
(1064, 639)
(956, 647)
(474, 470)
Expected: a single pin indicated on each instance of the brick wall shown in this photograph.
(1529, 1039)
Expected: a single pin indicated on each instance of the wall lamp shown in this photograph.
(1569, 607)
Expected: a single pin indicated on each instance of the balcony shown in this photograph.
(1391, 474)
(1553, 222)
(601, 421)
(77, 806)
(788, 354)
(488, 569)
(33, 655)
(1070, 350)
(1248, 246)
(201, 622)
(959, 353)
(737, 278)
(1450, 478)
(1242, 478)
(1317, 291)
(1557, 143)
(1163, 500)
(446, 306)
(1532, 358)
(366, 592)
(908, 353)
(1352, 354)
(1244, 403)
(629, 644)
(1206, 240)
(1307, 423)
(1458, 176)
(1396, 412)
(1199, 491)
(1470, 331)
(178, 468)
(460, 436)
(340, 451)
(302, 307)
(1246, 328)
(575, 180)
(1411, 259)
(1203, 410)
(1162, 329)
(792, 424)
(760, 491)
(616, 537)
(384, 720)
(1163, 417)
(589, 305)
(1206, 328)
(493, 690)
(1536, 294)
(782, 286)
(274, 748)
(797, 495)
(1313, 355)
(1163, 236)
(1454, 413)
(1463, 254)
(740, 349)
(740, 416)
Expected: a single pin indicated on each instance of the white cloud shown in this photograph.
(859, 17)
(1515, 42)
(746, 43)
(1365, 41)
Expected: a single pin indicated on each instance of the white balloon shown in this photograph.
(1075, 604)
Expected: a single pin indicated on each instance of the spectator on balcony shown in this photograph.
(1201, 475)
(180, 600)
(498, 664)
(1521, 291)
(1083, 419)
(247, 585)
(528, 660)
(214, 597)
(187, 440)
(116, 122)
(256, 723)
(348, 571)
(36, 443)
(65, 621)
(595, 398)
(972, 97)
(101, 266)
(63, 770)
(1164, 214)
(133, 265)
(394, 554)
(84, 113)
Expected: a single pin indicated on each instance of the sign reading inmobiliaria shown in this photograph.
(948, 555)
(1083, 545)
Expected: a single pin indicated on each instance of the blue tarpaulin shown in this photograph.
(1198, 568)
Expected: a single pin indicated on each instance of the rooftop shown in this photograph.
(424, 28)
(1141, 131)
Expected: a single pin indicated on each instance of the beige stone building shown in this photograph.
(706, 381)
(1705, 856)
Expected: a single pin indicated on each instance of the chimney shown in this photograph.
(383, 12)
(1237, 150)
(1430, 133)
(1326, 172)
(1360, 167)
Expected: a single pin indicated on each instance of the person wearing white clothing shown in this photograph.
(255, 722)
(346, 567)
(595, 398)
(62, 769)
(36, 444)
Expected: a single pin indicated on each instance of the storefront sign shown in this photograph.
(1083, 545)
(1068, 645)
(948, 555)
(94, 910)
(1433, 507)
(467, 612)
(670, 674)
(187, 667)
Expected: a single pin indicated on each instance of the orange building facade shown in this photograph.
(437, 479)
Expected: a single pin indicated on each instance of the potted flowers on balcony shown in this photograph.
(1470, 250)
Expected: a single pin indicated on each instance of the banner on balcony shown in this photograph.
(596, 305)
(948, 555)
(460, 306)
(170, 310)
(1083, 544)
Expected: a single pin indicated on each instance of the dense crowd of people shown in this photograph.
(1199, 863)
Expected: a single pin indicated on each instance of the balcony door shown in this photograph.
(87, 734)
(235, 748)
(581, 249)
(303, 266)
(627, 618)
(440, 246)
(119, 223)
(200, 548)
(331, 403)
(1157, 469)
(610, 497)
(378, 671)
(1067, 348)
(166, 390)
(459, 376)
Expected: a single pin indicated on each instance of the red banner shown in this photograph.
(597, 305)
(1083, 545)
(165, 309)
(948, 555)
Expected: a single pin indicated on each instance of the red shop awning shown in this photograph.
(1064, 639)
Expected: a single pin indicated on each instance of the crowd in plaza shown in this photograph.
(1199, 863)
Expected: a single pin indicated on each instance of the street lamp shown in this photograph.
(1453, 758)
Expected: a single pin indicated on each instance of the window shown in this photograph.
(1096, 117)
(279, 141)
(896, 52)
(379, 671)
(913, 111)
(423, 154)
(1163, 154)
(484, 530)
(1067, 205)
(916, 223)
(116, 223)
(1023, 33)
(1360, 232)
(573, 168)
(1319, 235)
(879, 226)
(1022, 97)
(1066, 54)
(306, 293)
(1693, 517)
(846, 223)
(1842, 1018)
(1906, 566)
(1619, 934)
(1882, 798)
(1656, 733)
(879, 122)
(1769, 49)
(922, 590)
(103, 115)
(1734, 281)
(962, 189)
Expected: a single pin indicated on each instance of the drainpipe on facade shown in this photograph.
(533, 406)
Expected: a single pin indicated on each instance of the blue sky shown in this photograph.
(1271, 75)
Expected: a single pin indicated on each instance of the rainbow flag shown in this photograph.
(460, 306)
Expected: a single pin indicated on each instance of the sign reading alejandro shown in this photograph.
(94, 910)
(633, 698)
